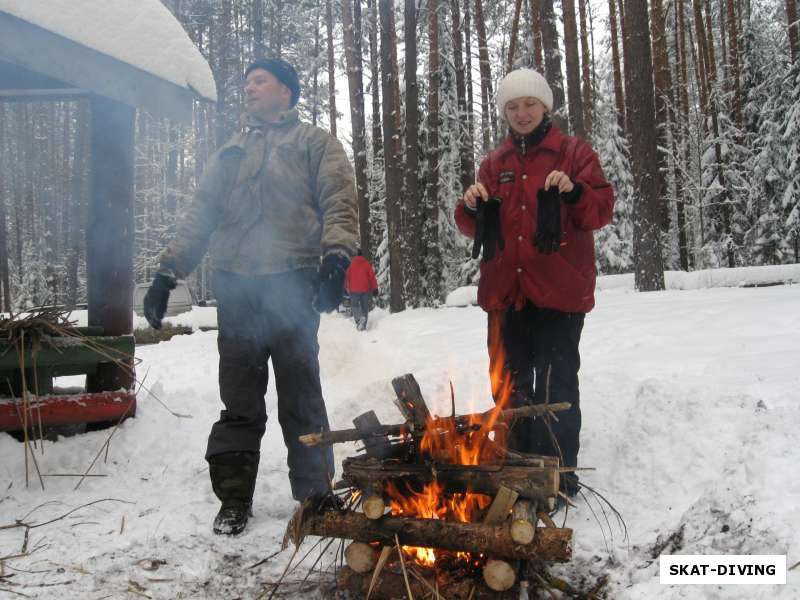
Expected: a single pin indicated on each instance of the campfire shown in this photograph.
(439, 503)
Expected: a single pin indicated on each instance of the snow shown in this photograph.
(142, 33)
(690, 419)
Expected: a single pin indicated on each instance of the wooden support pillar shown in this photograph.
(110, 230)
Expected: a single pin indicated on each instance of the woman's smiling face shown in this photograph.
(524, 114)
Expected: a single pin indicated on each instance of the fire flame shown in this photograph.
(452, 441)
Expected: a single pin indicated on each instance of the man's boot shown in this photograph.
(233, 478)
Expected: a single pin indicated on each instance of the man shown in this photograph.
(273, 199)
(538, 197)
(360, 282)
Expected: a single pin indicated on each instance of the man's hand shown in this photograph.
(474, 193)
(331, 283)
(548, 220)
(156, 298)
(488, 229)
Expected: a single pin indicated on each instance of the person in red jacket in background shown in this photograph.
(360, 283)
(537, 199)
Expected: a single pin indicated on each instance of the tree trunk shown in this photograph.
(488, 120)
(619, 97)
(377, 129)
(331, 67)
(586, 71)
(259, 50)
(680, 129)
(315, 70)
(412, 226)
(626, 63)
(536, 34)
(468, 82)
(713, 107)
(794, 29)
(467, 164)
(644, 153)
(512, 45)
(376, 174)
(431, 233)
(551, 544)
(663, 91)
(392, 152)
(734, 62)
(4, 281)
(573, 69)
(351, 29)
(552, 61)
(701, 61)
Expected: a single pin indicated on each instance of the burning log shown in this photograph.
(523, 522)
(532, 482)
(499, 575)
(361, 557)
(410, 402)
(462, 421)
(549, 544)
(391, 585)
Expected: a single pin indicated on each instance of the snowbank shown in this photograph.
(674, 280)
(690, 419)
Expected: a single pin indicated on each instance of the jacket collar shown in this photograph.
(551, 143)
(250, 123)
(285, 119)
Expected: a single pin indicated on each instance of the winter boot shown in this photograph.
(233, 478)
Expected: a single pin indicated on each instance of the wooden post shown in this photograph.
(109, 235)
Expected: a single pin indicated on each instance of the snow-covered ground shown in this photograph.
(691, 419)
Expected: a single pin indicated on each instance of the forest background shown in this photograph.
(693, 107)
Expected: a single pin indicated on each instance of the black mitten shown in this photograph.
(488, 232)
(548, 221)
(331, 282)
(156, 298)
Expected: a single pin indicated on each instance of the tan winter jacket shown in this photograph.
(293, 200)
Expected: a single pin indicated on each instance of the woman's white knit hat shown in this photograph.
(522, 83)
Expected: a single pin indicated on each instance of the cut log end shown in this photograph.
(373, 507)
(499, 575)
(523, 522)
(361, 557)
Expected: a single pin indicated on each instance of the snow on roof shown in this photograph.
(142, 33)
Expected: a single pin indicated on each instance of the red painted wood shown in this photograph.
(68, 409)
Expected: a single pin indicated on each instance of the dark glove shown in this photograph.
(331, 283)
(487, 229)
(548, 221)
(156, 298)
(375, 293)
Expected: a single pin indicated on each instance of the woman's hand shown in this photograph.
(475, 191)
(560, 180)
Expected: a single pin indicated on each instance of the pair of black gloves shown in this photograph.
(489, 234)
(328, 296)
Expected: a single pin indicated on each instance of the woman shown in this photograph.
(538, 197)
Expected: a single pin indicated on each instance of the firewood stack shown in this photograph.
(515, 490)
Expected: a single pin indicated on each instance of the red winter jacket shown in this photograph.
(360, 277)
(563, 280)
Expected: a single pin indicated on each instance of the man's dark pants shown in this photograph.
(541, 365)
(265, 317)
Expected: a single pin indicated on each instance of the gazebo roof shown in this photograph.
(133, 51)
